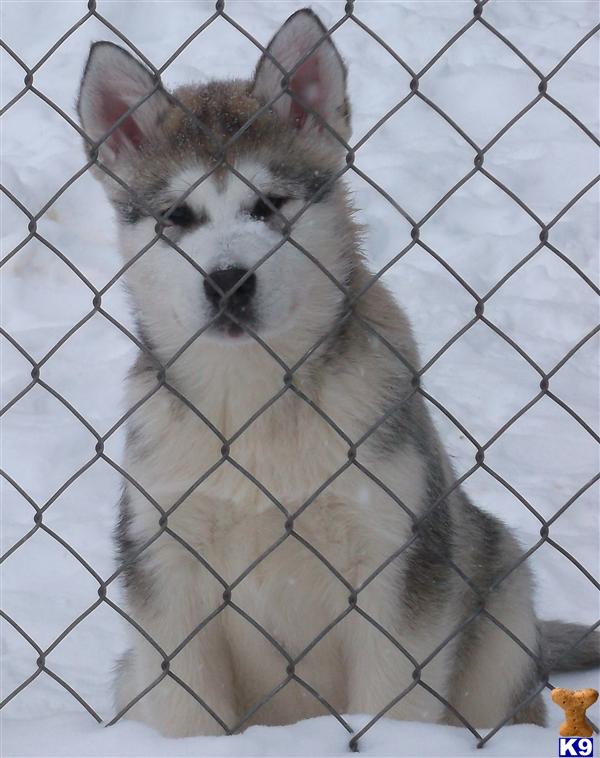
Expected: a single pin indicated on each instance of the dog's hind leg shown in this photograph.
(495, 677)
(379, 672)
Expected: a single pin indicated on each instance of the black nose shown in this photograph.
(226, 279)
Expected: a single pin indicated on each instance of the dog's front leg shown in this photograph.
(191, 686)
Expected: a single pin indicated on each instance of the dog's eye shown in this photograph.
(182, 215)
(262, 211)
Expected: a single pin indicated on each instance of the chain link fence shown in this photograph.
(350, 14)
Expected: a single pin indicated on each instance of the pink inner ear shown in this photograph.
(306, 83)
(128, 131)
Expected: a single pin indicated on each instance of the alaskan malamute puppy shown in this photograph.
(292, 536)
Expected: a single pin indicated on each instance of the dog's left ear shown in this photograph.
(319, 81)
(113, 83)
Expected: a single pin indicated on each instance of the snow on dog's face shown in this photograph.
(223, 178)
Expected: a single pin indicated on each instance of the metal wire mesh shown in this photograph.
(351, 15)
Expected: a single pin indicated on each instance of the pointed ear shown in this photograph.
(319, 81)
(114, 81)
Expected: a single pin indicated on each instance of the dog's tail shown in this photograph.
(568, 647)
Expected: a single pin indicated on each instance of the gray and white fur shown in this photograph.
(358, 374)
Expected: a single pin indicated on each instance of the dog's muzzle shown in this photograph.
(235, 302)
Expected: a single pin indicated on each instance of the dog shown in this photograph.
(291, 534)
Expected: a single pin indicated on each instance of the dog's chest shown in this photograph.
(282, 493)
(252, 455)
(245, 492)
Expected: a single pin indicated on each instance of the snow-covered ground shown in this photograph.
(547, 456)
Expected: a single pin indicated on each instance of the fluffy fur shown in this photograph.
(279, 455)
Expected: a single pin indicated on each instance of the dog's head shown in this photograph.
(236, 180)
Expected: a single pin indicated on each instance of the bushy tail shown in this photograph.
(568, 647)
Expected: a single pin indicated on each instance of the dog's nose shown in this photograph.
(226, 279)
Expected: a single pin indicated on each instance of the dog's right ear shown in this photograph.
(112, 83)
(303, 47)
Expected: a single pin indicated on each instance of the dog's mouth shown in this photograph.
(232, 328)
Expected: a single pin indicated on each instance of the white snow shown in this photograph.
(416, 156)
